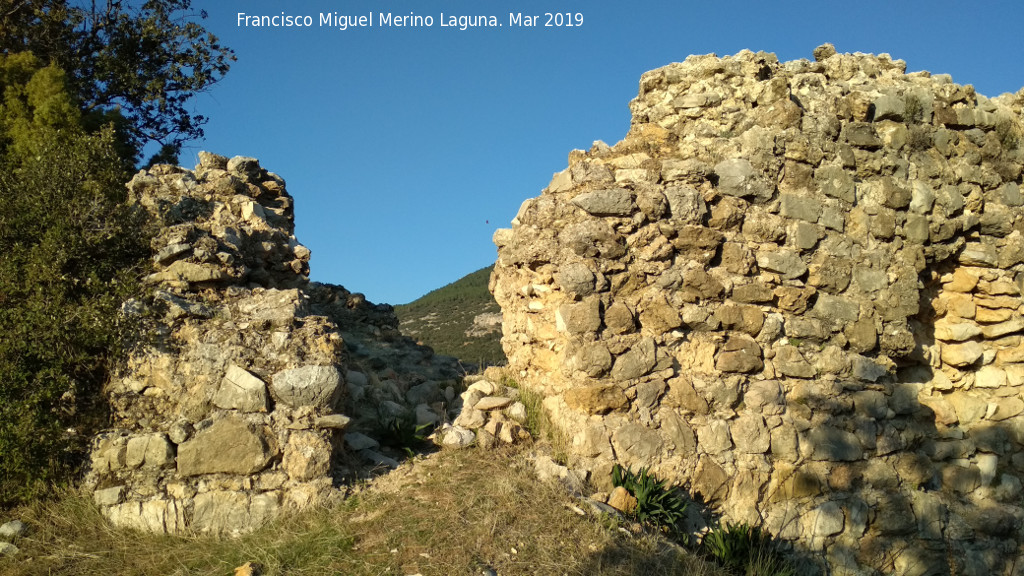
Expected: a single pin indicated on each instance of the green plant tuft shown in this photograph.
(403, 433)
(746, 550)
(656, 502)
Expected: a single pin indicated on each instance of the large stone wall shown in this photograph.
(250, 389)
(795, 288)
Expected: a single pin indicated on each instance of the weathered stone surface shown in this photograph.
(598, 399)
(836, 309)
(316, 386)
(790, 362)
(162, 516)
(787, 263)
(622, 500)
(576, 277)
(737, 177)
(747, 319)
(492, 403)
(750, 434)
(224, 512)
(579, 318)
(240, 390)
(638, 361)
(830, 443)
(457, 437)
(609, 202)
(962, 354)
(307, 456)
(949, 330)
(149, 451)
(230, 445)
(739, 354)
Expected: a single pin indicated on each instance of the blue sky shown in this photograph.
(405, 148)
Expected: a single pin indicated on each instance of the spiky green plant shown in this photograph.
(657, 503)
(747, 550)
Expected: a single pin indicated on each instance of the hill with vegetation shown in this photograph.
(460, 319)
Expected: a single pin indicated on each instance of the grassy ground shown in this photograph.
(450, 513)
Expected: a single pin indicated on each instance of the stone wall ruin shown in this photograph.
(796, 289)
(252, 390)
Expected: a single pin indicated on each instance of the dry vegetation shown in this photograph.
(450, 513)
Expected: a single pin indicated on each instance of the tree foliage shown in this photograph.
(136, 64)
(70, 249)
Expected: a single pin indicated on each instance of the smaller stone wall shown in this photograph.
(233, 403)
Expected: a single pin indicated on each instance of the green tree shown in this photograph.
(136, 64)
(70, 251)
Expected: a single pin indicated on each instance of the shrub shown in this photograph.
(70, 251)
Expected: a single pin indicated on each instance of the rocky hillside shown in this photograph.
(460, 319)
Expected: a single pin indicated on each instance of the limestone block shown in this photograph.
(492, 403)
(750, 434)
(835, 182)
(990, 377)
(803, 208)
(622, 500)
(698, 284)
(994, 331)
(953, 330)
(183, 271)
(224, 512)
(747, 319)
(109, 496)
(597, 399)
(230, 445)
(576, 277)
(316, 386)
(149, 451)
(714, 437)
(737, 177)
(593, 359)
(989, 315)
(659, 317)
(1008, 408)
(961, 354)
(740, 353)
(240, 390)
(457, 437)
(789, 362)
(871, 403)
(823, 521)
(784, 262)
(307, 456)
(830, 443)
(580, 317)
(685, 203)
(836, 309)
(679, 433)
(424, 392)
(710, 481)
(639, 360)
(969, 408)
(607, 202)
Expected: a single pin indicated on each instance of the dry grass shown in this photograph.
(451, 513)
